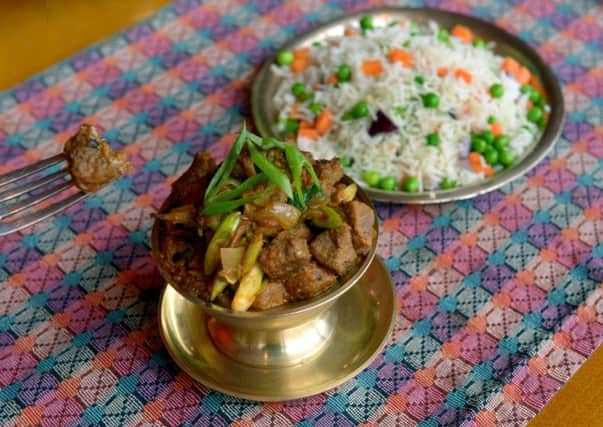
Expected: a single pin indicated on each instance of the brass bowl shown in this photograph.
(282, 336)
(265, 85)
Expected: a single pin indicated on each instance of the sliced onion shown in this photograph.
(277, 213)
(232, 263)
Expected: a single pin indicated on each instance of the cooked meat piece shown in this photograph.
(273, 295)
(195, 282)
(338, 194)
(277, 156)
(190, 187)
(329, 171)
(178, 247)
(308, 280)
(286, 252)
(334, 249)
(92, 162)
(362, 219)
(243, 167)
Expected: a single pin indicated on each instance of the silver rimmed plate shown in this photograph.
(507, 44)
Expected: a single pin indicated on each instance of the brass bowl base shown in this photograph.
(362, 320)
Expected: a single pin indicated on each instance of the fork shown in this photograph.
(24, 181)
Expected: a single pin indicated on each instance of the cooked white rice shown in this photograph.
(463, 107)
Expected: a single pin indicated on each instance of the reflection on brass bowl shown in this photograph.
(282, 336)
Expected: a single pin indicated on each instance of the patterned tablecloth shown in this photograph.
(500, 297)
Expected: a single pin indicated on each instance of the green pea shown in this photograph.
(501, 141)
(505, 157)
(316, 108)
(317, 44)
(447, 184)
(526, 88)
(345, 161)
(535, 96)
(497, 90)
(443, 35)
(344, 72)
(372, 178)
(307, 96)
(431, 100)
(406, 43)
(491, 120)
(298, 89)
(388, 183)
(360, 110)
(433, 139)
(291, 125)
(419, 79)
(534, 114)
(541, 123)
(284, 57)
(479, 145)
(411, 184)
(366, 23)
(347, 116)
(491, 156)
(540, 102)
(488, 136)
(479, 43)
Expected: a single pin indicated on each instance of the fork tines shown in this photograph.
(26, 181)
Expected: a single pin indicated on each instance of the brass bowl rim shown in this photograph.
(288, 309)
(495, 33)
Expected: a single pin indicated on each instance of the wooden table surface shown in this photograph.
(35, 34)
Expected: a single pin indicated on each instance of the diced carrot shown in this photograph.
(462, 33)
(475, 160)
(301, 53)
(304, 124)
(523, 75)
(529, 104)
(510, 65)
(324, 121)
(348, 32)
(301, 60)
(460, 73)
(496, 129)
(442, 71)
(299, 65)
(332, 80)
(372, 67)
(478, 164)
(399, 55)
(309, 133)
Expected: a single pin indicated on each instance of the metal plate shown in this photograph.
(507, 44)
(366, 315)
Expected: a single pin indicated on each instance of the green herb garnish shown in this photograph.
(219, 199)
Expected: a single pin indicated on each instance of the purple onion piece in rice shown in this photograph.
(382, 124)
